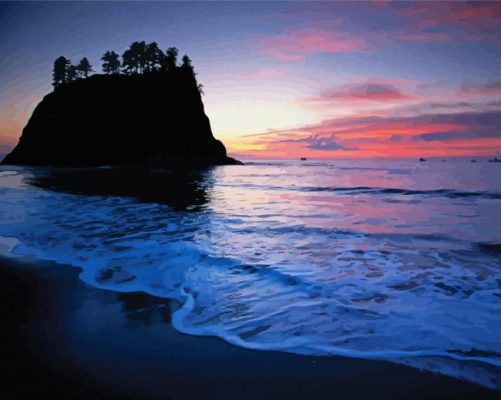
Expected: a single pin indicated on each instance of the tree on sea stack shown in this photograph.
(72, 72)
(135, 58)
(84, 67)
(60, 74)
(154, 57)
(186, 65)
(171, 59)
(111, 63)
(139, 58)
(187, 68)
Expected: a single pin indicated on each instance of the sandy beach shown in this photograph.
(62, 337)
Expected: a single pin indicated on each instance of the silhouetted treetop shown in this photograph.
(73, 72)
(84, 67)
(139, 58)
(171, 58)
(60, 74)
(186, 64)
(111, 62)
(154, 57)
(135, 58)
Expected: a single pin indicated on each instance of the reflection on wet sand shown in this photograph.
(141, 309)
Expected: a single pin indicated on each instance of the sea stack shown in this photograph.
(145, 119)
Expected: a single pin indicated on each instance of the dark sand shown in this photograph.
(64, 338)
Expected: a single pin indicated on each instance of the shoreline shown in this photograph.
(64, 337)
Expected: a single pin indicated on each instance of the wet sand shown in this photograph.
(61, 337)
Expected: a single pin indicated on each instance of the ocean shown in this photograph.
(393, 260)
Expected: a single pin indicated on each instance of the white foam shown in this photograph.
(7, 245)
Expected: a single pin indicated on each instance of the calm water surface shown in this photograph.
(395, 260)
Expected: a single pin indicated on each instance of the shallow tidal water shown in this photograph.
(394, 260)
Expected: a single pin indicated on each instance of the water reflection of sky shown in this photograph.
(446, 198)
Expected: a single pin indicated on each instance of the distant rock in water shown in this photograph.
(492, 247)
(149, 119)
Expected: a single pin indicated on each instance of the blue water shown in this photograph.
(392, 260)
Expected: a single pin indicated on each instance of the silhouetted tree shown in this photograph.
(188, 70)
(111, 63)
(141, 49)
(84, 67)
(186, 64)
(153, 57)
(138, 58)
(60, 73)
(163, 63)
(128, 62)
(134, 59)
(72, 72)
(171, 58)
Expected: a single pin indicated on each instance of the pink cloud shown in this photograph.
(372, 91)
(366, 92)
(459, 20)
(489, 89)
(422, 37)
(475, 15)
(295, 45)
(452, 12)
(263, 74)
(472, 133)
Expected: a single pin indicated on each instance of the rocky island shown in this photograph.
(145, 110)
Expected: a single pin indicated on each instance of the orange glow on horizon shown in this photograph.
(451, 148)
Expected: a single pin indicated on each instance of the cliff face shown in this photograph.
(150, 119)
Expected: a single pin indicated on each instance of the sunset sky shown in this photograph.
(289, 79)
